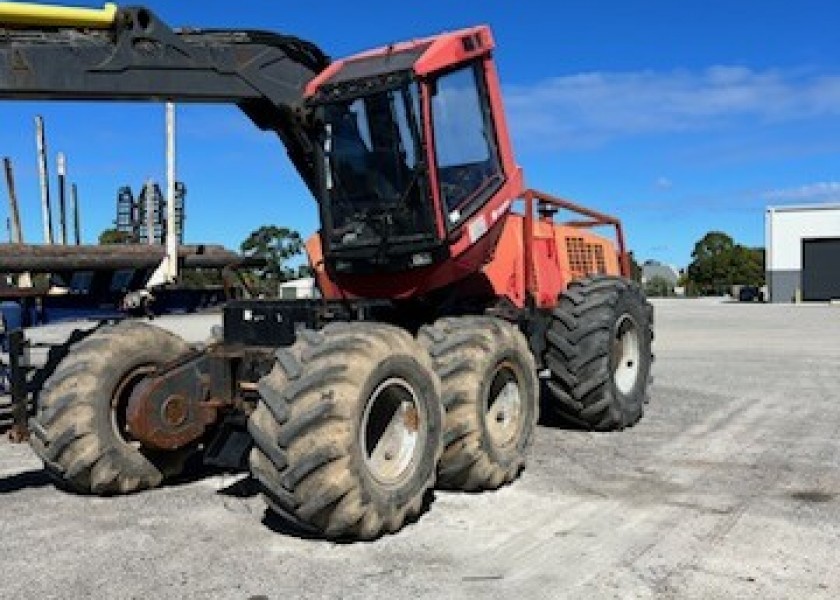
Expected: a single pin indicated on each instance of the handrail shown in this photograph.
(533, 197)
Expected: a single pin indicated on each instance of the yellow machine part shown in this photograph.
(23, 14)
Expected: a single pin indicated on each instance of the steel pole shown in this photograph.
(43, 173)
(20, 397)
(62, 196)
(77, 227)
(16, 231)
(171, 233)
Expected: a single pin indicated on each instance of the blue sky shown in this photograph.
(679, 117)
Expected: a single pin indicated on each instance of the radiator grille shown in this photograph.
(585, 258)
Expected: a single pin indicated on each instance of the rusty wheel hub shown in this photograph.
(174, 410)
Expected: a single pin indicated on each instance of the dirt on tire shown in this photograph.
(75, 430)
(485, 444)
(311, 441)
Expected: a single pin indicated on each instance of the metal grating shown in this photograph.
(585, 258)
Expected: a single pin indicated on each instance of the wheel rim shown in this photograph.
(504, 405)
(389, 435)
(626, 354)
(119, 403)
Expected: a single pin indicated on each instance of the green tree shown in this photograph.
(659, 287)
(710, 265)
(685, 282)
(304, 271)
(748, 266)
(718, 263)
(199, 278)
(113, 236)
(276, 245)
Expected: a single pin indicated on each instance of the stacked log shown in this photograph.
(20, 258)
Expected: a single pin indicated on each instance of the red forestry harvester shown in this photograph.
(448, 291)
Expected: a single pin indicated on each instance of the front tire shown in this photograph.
(598, 349)
(347, 433)
(79, 429)
(491, 396)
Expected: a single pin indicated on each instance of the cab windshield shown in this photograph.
(373, 170)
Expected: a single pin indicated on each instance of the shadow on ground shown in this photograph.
(284, 524)
(23, 481)
(194, 470)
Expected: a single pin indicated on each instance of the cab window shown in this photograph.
(467, 158)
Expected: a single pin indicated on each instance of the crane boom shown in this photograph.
(57, 56)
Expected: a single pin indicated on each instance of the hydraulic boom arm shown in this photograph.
(129, 54)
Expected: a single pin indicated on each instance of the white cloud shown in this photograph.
(592, 108)
(663, 183)
(812, 191)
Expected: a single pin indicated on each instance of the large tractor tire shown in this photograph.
(79, 430)
(490, 392)
(347, 433)
(598, 349)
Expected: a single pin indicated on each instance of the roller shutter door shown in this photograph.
(821, 269)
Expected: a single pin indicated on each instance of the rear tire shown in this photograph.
(347, 433)
(598, 349)
(79, 429)
(490, 392)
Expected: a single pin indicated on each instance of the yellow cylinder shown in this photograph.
(23, 14)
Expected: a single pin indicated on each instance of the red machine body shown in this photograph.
(458, 302)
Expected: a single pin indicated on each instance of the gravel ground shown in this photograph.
(728, 488)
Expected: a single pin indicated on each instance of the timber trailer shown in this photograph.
(450, 293)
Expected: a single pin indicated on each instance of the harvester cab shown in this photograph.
(415, 155)
(417, 182)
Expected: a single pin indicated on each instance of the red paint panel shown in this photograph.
(407, 284)
(448, 49)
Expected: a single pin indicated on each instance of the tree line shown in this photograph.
(718, 263)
